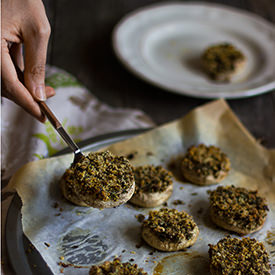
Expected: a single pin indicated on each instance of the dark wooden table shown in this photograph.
(81, 44)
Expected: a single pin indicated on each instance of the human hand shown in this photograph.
(25, 22)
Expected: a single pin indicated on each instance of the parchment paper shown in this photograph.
(83, 236)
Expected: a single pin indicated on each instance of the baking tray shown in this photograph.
(22, 257)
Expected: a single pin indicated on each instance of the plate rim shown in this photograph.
(269, 86)
(14, 238)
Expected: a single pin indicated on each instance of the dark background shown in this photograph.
(81, 44)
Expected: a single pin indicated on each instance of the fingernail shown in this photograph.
(40, 93)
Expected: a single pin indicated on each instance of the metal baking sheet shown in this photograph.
(24, 258)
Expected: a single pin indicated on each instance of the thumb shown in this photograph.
(35, 59)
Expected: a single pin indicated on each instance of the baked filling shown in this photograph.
(151, 179)
(206, 161)
(170, 225)
(232, 256)
(102, 176)
(116, 267)
(238, 207)
(222, 60)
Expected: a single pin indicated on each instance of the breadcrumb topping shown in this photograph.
(116, 267)
(232, 256)
(206, 160)
(221, 59)
(151, 179)
(170, 224)
(101, 175)
(238, 207)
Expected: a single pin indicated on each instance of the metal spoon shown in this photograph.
(59, 128)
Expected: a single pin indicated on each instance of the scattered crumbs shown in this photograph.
(61, 258)
(131, 155)
(61, 270)
(79, 266)
(262, 140)
(140, 217)
(146, 261)
(132, 252)
(154, 262)
(58, 214)
(270, 238)
(123, 251)
(63, 264)
(165, 204)
(194, 194)
(47, 244)
(177, 202)
(200, 211)
(55, 205)
(149, 154)
(181, 188)
(152, 252)
(131, 260)
(30, 248)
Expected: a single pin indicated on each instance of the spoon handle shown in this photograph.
(59, 128)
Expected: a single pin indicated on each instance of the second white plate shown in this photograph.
(163, 43)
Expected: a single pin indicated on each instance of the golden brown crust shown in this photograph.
(100, 180)
(222, 61)
(154, 186)
(116, 267)
(169, 230)
(238, 257)
(96, 203)
(237, 209)
(166, 245)
(223, 224)
(205, 165)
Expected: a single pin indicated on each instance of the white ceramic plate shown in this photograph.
(162, 44)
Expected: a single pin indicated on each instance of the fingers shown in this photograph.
(16, 53)
(15, 90)
(23, 98)
(30, 26)
(36, 42)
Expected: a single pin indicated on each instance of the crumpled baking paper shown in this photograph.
(79, 236)
(24, 139)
